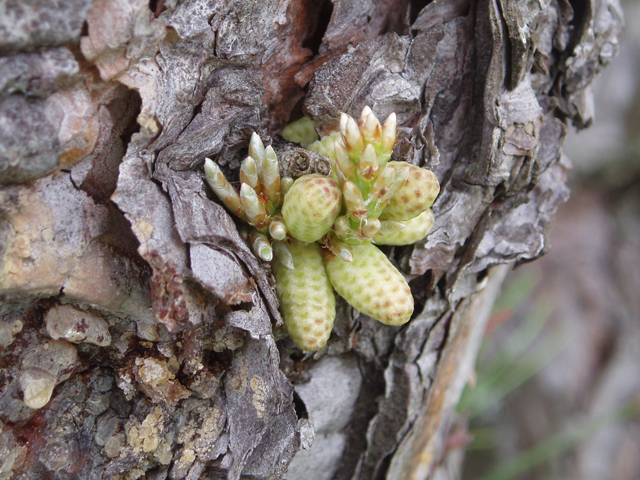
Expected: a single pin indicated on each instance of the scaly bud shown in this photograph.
(310, 207)
(368, 165)
(371, 284)
(270, 176)
(256, 148)
(261, 246)
(341, 226)
(415, 230)
(366, 111)
(285, 184)
(370, 227)
(277, 230)
(344, 118)
(222, 188)
(307, 301)
(339, 248)
(352, 138)
(383, 183)
(389, 133)
(252, 206)
(283, 255)
(372, 130)
(402, 174)
(249, 173)
(353, 199)
(345, 164)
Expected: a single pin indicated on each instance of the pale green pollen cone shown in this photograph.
(371, 284)
(416, 195)
(310, 207)
(307, 302)
(301, 131)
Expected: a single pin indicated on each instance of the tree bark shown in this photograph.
(140, 336)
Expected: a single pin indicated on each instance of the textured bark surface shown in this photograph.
(130, 298)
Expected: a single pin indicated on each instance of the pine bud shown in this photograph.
(370, 227)
(389, 133)
(283, 255)
(256, 148)
(277, 229)
(353, 138)
(252, 206)
(368, 166)
(270, 176)
(339, 248)
(353, 199)
(383, 183)
(341, 226)
(249, 173)
(261, 246)
(366, 111)
(285, 184)
(371, 129)
(345, 164)
(222, 188)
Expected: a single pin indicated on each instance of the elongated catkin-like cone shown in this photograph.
(371, 284)
(307, 302)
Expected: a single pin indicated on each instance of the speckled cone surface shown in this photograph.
(307, 302)
(371, 284)
(416, 195)
(414, 231)
(310, 207)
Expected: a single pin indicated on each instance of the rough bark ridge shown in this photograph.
(140, 335)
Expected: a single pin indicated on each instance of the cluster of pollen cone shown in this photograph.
(321, 230)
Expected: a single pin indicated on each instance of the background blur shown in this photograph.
(557, 392)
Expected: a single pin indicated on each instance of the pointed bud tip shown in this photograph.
(344, 118)
(366, 111)
(210, 167)
(246, 190)
(270, 153)
(248, 162)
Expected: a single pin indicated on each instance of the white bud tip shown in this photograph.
(210, 168)
(391, 120)
(256, 140)
(249, 164)
(344, 118)
(366, 111)
(265, 253)
(277, 231)
(353, 132)
(270, 153)
(345, 255)
(247, 191)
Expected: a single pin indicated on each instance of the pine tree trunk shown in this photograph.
(137, 335)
